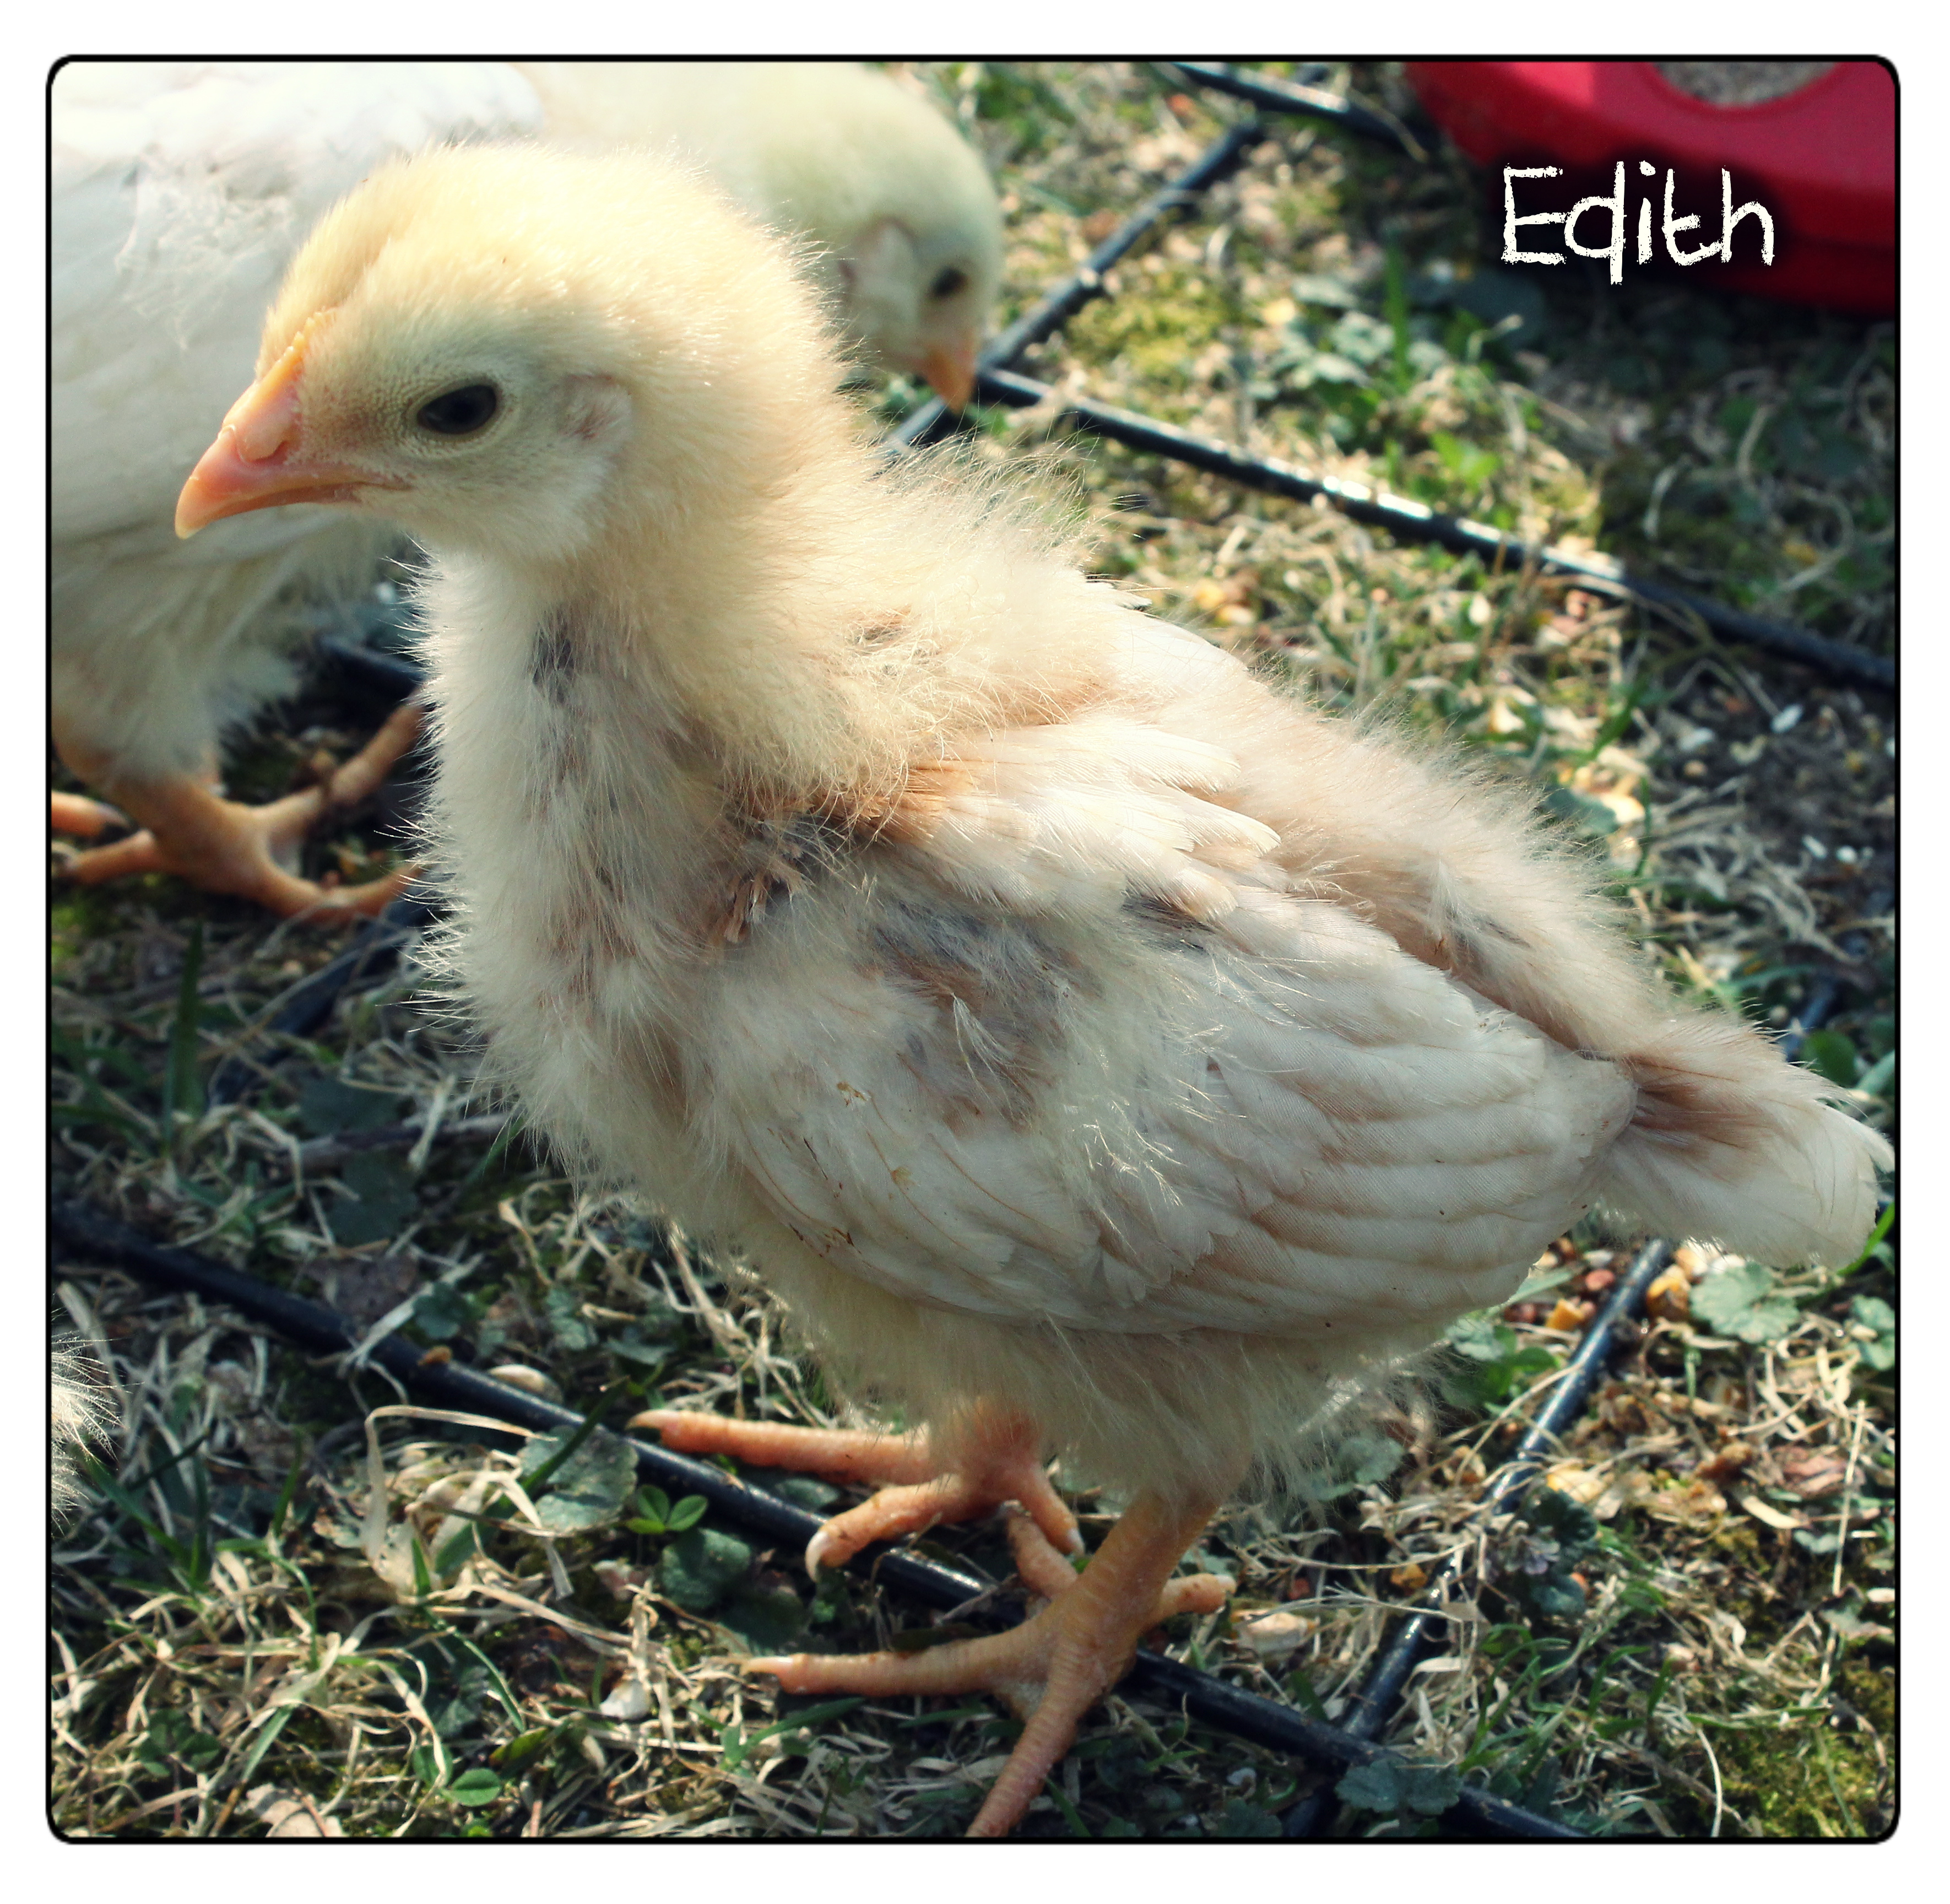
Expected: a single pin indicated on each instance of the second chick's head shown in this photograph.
(907, 232)
(482, 343)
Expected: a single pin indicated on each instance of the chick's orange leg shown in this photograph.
(1053, 1667)
(994, 1460)
(223, 846)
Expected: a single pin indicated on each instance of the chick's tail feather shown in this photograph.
(1729, 1143)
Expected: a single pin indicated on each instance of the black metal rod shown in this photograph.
(399, 675)
(1825, 992)
(450, 1384)
(375, 949)
(1055, 308)
(1609, 1329)
(1266, 1722)
(1270, 93)
(1416, 521)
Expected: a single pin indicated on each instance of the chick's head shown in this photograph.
(503, 346)
(922, 299)
(901, 211)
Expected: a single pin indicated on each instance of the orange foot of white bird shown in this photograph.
(222, 847)
(1050, 1669)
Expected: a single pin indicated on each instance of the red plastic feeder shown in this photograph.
(1822, 161)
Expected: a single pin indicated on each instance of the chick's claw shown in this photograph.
(86, 819)
(838, 1454)
(996, 1464)
(948, 1498)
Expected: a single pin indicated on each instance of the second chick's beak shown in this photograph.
(257, 461)
(950, 370)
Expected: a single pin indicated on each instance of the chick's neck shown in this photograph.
(735, 609)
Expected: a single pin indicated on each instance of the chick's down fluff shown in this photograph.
(1082, 1035)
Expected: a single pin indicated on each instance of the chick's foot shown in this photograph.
(1058, 1663)
(223, 846)
(994, 1462)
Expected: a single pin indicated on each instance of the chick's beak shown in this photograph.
(950, 370)
(257, 460)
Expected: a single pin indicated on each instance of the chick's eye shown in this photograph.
(951, 281)
(460, 413)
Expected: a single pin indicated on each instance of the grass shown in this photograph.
(288, 1612)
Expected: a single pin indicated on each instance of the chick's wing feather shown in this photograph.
(1076, 1054)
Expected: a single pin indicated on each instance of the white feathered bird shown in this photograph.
(180, 192)
(1096, 1050)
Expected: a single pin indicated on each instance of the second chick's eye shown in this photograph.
(460, 413)
(951, 281)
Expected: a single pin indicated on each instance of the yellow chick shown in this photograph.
(1097, 1052)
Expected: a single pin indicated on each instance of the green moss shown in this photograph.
(1155, 335)
(1813, 1780)
(78, 916)
(1871, 1691)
